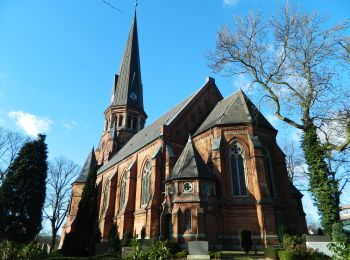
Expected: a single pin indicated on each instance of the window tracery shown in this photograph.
(146, 183)
(238, 170)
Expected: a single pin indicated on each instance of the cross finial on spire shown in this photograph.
(135, 4)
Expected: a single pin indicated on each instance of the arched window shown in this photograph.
(146, 183)
(122, 192)
(238, 170)
(105, 196)
(188, 219)
(269, 172)
(120, 122)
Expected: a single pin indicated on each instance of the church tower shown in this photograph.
(125, 115)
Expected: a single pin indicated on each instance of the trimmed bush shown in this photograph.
(246, 240)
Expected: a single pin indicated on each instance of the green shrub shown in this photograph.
(246, 240)
(8, 250)
(271, 252)
(181, 254)
(291, 242)
(173, 246)
(215, 254)
(159, 250)
(32, 251)
(11, 251)
(301, 253)
(136, 253)
(114, 243)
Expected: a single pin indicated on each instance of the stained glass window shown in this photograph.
(122, 192)
(188, 219)
(238, 170)
(269, 172)
(146, 183)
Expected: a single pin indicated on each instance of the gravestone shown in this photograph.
(126, 250)
(146, 244)
(198, 250)
(319, 243)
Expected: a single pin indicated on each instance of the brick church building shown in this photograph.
(204, 170)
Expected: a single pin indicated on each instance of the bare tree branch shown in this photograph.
(61, 174)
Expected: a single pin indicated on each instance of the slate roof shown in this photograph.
(90, 162)
(127, 89)
(151, 132)
(190, 165)
(145, 136)
(237, 108)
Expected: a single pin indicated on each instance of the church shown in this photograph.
(206, 169)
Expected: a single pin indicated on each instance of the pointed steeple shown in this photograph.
(89, 163)
(127, 89)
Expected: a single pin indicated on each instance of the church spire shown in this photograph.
(125, 115)
(127, 89)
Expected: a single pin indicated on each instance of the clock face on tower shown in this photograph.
(133, 95)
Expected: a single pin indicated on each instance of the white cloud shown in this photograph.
(273, 120)
(230, 2)
(69, 123)
(31, 124)
(242, 82)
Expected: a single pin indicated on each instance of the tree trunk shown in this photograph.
(53, 239)
(323, 187)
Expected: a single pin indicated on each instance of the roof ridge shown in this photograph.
(235, 94)
(208, 80)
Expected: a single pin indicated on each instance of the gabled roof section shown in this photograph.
(190, 165)
(153, 131)
(235, 109)
(127, 89)
(89, 163)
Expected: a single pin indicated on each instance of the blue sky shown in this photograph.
(58, 60)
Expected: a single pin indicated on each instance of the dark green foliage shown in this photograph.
(181, 254)
(323, 183)
(338, 232)
(215, 254)
(291, 242)
(159, 250)
(271, 252)
(173, 246)
(114, 240)
(126, 241)
(22, 194)
(246, 240)
(320, 232)
(340, 248)
(10, 251)
(301, 254)
(85, 231)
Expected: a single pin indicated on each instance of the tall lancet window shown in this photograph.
(146, 183)
(269, 172)
(122, 192)
(105, 197)
(238, 170)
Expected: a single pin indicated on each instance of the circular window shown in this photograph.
(188, 187)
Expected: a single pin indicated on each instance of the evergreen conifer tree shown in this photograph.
(85, 231)
(22, 194)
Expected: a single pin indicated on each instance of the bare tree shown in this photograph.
(300, 64)
(61, 174)
(10, 144)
